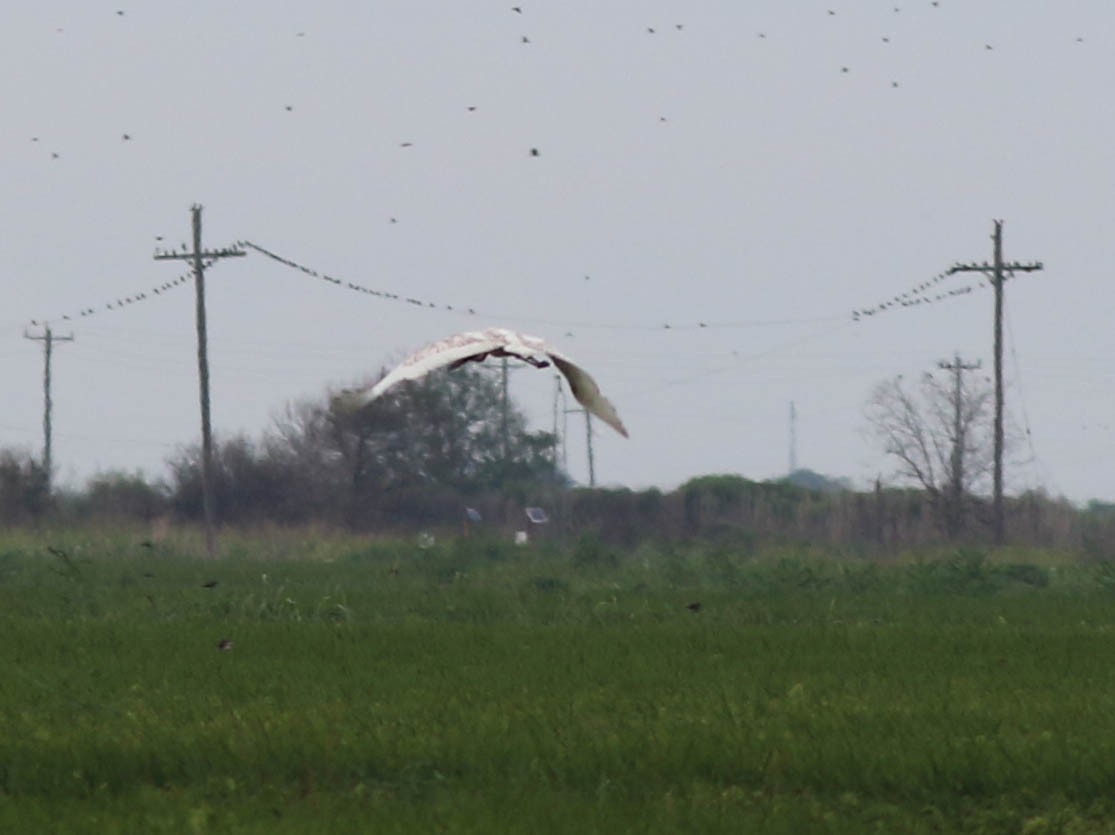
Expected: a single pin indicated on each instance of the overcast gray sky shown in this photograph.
(763, 168)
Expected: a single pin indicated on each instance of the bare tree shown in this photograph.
(940, 434)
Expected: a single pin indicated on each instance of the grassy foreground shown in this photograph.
(472, 687)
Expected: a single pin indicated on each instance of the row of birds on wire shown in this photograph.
(916, 296)
(125, 301)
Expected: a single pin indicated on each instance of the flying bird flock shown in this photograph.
(476, 346)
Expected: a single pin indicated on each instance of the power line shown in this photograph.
(692, 378)
(472, 311)
(125, 301)
(919, 294)
(1038, 466)
(351, 285)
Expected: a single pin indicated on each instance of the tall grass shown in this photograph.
(476, 687)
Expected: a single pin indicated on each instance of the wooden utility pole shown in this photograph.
(48, 339)
(997, 271)
(557, 397)
(504, 427)
(588, 442)
(199, 257)
(958, 367)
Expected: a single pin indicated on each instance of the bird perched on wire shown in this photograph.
(476, 346)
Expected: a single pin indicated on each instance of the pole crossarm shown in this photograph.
(208, 254)
(989, 269)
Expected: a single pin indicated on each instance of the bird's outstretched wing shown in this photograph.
(451, 351)
(501, 342)
(588, 394)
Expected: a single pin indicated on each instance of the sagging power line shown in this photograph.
(472, 311)
(916, 296)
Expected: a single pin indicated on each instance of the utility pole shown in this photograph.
(997, 271)
(588, 442)
(557, 397)
(199, 257)
(504, 429)
(957, 367)
(48, 339)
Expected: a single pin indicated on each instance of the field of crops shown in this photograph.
(307, 683)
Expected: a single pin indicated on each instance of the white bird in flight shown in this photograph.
(475, 346)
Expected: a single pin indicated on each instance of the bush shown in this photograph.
(591, 552)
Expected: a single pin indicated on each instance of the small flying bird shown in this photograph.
(224, 645)
(393, 220)
(526, 39)
(832, 13)
(650, 30)
(55, 155)
(695, 606)
(471, 108)
(406, 144)
(120, 12)
(679, 26)
(534, 152)
(36, 139)
(886, 39)
(517, 9)
(843, 69)
(988, 46)
(476, 346)
(126, 137)
(210, 584)
(290, 108)
(894, 84)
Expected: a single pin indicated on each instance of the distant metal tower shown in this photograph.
(793, 438)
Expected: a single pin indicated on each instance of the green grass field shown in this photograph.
(473, 687)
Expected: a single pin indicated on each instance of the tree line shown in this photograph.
(418, 457)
